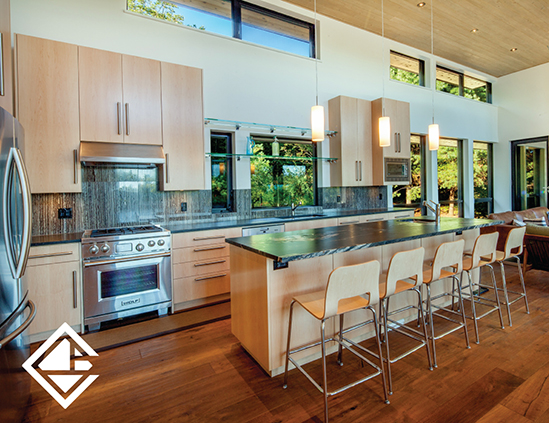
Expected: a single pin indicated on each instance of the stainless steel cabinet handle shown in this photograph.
(2, 64)
(167, 168)
(356, 170)
(396, 141)
(101, 262)
(209, 263)
(375, 220)
(360, 168)
(21, 328)
(74, 289)
(63, 253)
(75, 166)
(210, 277)
(399, 144)
(217, 247)
(127, 118)
(209, 237)
(350, 222)
(119, 117)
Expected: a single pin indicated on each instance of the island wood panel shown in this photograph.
(183, 128)
(309, 224)
(201, 286)
(101, 99)
(142, 100)
(47, 107)
(6, 97)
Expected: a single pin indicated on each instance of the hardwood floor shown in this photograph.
(203, 375)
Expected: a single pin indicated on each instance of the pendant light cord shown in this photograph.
(382, 62)
(316, 58)
(434, 77)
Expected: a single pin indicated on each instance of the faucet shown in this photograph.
(295, 207)
(435, 208)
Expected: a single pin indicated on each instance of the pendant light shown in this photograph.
(317, 112)
(384, 121)
(434, 130)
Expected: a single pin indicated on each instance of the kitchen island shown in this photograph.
(269, 270)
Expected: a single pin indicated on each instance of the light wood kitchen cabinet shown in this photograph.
(120, 98)
(6, 79)
(53, 276)
(309, 224)
(201, 267)
(399, 112)
(351, 118)
(47, 107)
(183, 128)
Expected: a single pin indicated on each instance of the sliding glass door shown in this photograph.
(529, 171)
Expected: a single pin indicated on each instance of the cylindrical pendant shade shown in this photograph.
(384, 131)
(317, 123)
(434, 135)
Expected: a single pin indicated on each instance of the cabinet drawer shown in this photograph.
(201, 267)
(57, 253)
(349, 220)
(200, 253)
(192, 239)
(379, 217)
(197, 287)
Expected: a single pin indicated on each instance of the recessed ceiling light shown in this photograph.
(421, 4)
(474, 30)
(514, 49)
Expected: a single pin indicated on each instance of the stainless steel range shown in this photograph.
(127, 271)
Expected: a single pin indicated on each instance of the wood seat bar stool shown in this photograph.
(404, 274)
(483, 255)
(514, 243)
(345, 292)
(448, 255)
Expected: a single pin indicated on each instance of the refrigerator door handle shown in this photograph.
(21, 328)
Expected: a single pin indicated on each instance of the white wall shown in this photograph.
(255, 84)
(523, 100)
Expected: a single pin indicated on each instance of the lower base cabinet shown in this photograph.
(53, 277)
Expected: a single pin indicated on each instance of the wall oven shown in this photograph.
(126, 271)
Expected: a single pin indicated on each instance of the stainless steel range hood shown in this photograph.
(121, 154)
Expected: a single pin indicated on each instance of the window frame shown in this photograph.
(461, 84)
(460, 177)
(230, 173)
(490, 198)
(423, 176)
(421, 73)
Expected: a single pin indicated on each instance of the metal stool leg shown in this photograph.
(325, 377)
(496, 293)
(382, 367)
(385, 306)
(505, 294)
(430, 311)
(464, 318)
(288, 345)
(472, 296)
(424, 327)
(523, 285)
(340, 347)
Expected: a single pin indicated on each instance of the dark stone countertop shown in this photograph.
(204, 225)
(298, 245)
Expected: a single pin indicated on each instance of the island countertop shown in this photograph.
(298, 245)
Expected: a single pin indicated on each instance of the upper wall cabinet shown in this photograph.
(47, 107)
(399, 112)
(183, 128)
(6, 80)
(351, 118)
(120, 98)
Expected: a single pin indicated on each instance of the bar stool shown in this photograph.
(513, 248)
(344, 293)
(405, 274)
(448, 255)
(484, 254)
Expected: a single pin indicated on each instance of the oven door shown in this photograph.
(116, 287)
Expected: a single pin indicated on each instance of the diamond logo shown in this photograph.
(57, 366)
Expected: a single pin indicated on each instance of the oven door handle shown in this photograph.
(121, 260)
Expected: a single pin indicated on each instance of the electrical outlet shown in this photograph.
(338, 199)
(64, 213)
(381, 196)
(183, 207)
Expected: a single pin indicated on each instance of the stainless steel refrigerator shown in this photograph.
(16, 309)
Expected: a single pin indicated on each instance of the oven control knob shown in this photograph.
(105, 248)
(160, 242)
(94, 249)
(151, 243)
(139, 247)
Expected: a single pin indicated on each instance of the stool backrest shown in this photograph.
(514, 242)
(405, 265)
(485, 247)
(351, 281)
(448, 254)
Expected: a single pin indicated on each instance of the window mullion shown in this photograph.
(236, 13)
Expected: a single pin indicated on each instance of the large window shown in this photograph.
(413, 195)
(407, 69)
(222, 171)
(450, 177)
(282, 172)
(482, 178)
(235, 18)
(457, 83)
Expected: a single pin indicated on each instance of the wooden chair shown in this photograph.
(345, 292)
(405, 274)
(448, 255)
(483, 255)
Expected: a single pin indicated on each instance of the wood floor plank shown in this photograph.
(501, 414)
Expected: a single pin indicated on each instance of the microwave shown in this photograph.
(397, 170)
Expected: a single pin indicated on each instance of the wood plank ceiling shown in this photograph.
(501, 25)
